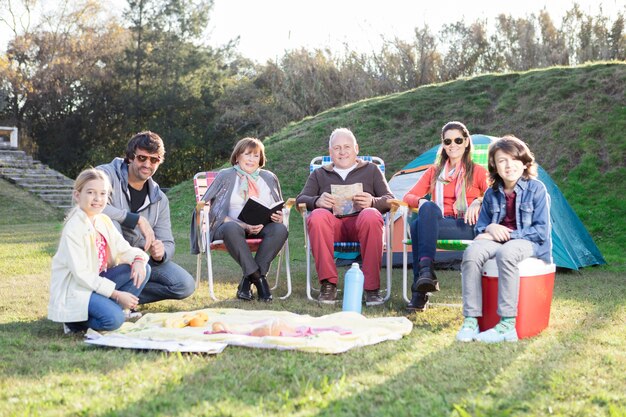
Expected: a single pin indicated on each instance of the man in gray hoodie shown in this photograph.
(141, 211)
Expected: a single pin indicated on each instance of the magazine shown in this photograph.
(343, 198)
(256, 212)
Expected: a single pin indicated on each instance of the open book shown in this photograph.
(343, 198)
(255, 212)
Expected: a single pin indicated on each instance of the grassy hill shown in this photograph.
(573, 119)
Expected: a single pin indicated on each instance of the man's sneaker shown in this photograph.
(373, 298)
(419, 301)
(328, 293)
(469, 330)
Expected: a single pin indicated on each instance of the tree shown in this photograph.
(617, 39)
(552, 43)
(464, 47)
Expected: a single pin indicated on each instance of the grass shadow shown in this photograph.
(536, 376)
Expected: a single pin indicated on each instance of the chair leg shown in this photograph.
(308, 270)
(405, 270)
(198, 269)
(388, 252)
(389, 270)
(280, 257)
(210, 267)
(287, 271)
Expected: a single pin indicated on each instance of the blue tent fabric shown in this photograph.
(572, 246)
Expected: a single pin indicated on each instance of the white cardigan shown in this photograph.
(75, 273)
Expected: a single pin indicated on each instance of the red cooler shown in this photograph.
(535, 296)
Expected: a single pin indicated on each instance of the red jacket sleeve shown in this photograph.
(420, 189)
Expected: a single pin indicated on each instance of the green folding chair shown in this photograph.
(479, 156)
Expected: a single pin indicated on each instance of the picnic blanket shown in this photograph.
(332, 333)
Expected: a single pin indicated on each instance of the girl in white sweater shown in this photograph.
(95, 272)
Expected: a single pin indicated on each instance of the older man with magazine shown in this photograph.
(363, 223)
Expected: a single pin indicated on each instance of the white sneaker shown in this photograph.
(494, 336)
(469, 330)
(132, 315)
(66, 329)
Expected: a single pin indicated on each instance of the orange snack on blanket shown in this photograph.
(198, 321)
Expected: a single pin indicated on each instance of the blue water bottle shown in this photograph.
(353, 289)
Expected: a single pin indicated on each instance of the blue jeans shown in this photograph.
(429, 226)
(168, 281)
(104, 313)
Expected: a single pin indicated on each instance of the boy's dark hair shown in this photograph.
(515, 147)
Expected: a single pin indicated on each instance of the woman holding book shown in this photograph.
(228, 194)
(456, 185)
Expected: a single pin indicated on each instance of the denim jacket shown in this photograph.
(532, 215)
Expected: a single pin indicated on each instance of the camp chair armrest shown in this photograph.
(287, 210)
(302, 209)
(200, 206)
(290, 203)
(396, 204)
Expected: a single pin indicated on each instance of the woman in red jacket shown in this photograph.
(456, 186)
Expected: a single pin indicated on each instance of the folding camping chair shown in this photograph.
(201, 182)
(345, 250)
(479, 156)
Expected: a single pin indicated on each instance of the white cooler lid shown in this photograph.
(527, 268)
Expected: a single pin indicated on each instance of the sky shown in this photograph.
(267, 28)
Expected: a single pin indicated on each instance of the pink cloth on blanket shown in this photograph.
(302, 331)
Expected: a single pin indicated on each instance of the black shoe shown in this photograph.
(263, 289)
(419, 301)
(243, 290)
(427, 280)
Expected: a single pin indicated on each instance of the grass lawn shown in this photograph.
(574, 368)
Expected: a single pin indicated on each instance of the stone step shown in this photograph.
(36, 176)
(12, 153)
(42, 183)
(8, 164)
(17, 157)
(52, 192)
(57, 200)
(33, 172)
